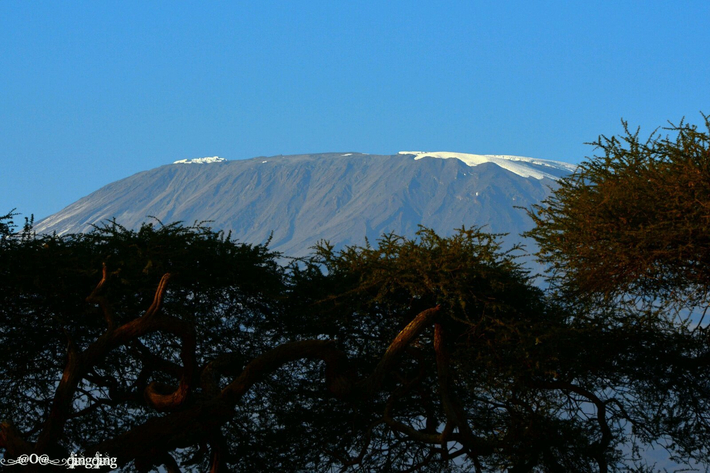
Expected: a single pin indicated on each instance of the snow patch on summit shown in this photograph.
(525, 167)
(207, 160)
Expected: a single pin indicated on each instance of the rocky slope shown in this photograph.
(341, 197)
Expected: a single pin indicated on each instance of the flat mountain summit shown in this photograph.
(340, 197)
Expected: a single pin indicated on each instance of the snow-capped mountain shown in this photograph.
(341, 197)
(206, 160)
(525, 167)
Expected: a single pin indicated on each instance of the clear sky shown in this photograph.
(91, 92)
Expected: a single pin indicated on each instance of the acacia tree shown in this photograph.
(626, 238)
(524, 382)
(92, 338)
(633, 221)
(179, 347)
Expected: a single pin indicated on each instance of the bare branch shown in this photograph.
(339, 379)
(79, 363)
(96, 298)
(453, 410)
(606, 437)
(188, 426)
(158, 298)
(186, 332)
(61, 405)
(398, 345)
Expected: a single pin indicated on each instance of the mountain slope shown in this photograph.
(342, 197)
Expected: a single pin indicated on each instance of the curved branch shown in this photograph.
(606, 437)
(186, 427)
(61, 405)
(96, 298)
(186, 332)
(209, 379)
(339, 378)
(79, 363)
(158, 298)
(454, 413)
(409, 333)
(199, 421)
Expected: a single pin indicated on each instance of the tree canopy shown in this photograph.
(634, 220)
(626, 237)
(175, 346)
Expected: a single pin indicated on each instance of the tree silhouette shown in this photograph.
(176, 346)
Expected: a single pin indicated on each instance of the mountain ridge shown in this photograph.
(305, 198)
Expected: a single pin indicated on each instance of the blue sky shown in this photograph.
(91, 92)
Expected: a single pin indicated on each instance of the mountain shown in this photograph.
(341, 197)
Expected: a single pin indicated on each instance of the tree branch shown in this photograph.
(425, 318)
(79, 363)
(12, 441)
(453, 410)
(96, 298)
(339, 378)
(606, 437)
(188, 426)
(186, 332)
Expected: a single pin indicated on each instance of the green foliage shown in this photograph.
(627, 243)
(527, 372)
(221, 288)
(174, 345)
(495, 319)
(634, 220)
(8, 230)
(467, 274)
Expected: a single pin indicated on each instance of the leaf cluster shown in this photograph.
(634, 219)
